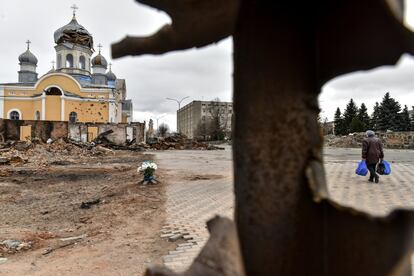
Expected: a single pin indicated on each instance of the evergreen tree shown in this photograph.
(351, 111)
(412, 119)
(388, 115)
(338, 122)
(363, 118)
(405, 122)
(356, 125)
(375, 117)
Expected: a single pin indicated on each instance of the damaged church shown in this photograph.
(80, 88)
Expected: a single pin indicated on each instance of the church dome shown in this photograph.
(28, 57)
(99, 60)
(110, 75)
(74, 33)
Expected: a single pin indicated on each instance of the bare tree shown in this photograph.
(163, 129)
(202, 130)
(218, 120)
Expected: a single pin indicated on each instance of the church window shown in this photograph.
(69, 61)
(73, 117)
(37, 115)
(53, 91)
(82, 62)
(59, 61)
(14, 115)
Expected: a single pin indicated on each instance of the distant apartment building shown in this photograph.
(196, 113)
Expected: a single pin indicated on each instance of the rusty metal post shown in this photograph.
(277, 80)
(276, 130)
(284, 51)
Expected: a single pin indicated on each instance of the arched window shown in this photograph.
(53, 91)
(69, 61)
(37, 115)
(73, 117)
(59, 61)
(82, 62)
(14, 115)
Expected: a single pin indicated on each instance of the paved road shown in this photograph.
(399, 156)
(200, 186)
(393, 191)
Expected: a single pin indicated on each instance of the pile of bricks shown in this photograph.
(181, 142)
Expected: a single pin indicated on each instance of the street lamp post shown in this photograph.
(158, 119)
(179, 106)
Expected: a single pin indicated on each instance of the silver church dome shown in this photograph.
(28, 57)
(110, 76)
(99, 60)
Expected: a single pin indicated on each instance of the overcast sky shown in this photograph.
(200, 74)
(370, 86)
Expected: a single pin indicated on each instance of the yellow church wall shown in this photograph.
(64, 82)
(69, 85)
(53, 108)
(19, 92)
(37, 106)
(87, 111)
(27, 108)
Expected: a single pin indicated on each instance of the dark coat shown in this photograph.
(372, 150)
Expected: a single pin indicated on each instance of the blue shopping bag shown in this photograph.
(387, 165)
(362, 168)
(384, 168)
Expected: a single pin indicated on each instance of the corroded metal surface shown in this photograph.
(195, 23)
(284, 52)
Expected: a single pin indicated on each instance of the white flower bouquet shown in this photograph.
(148, 169)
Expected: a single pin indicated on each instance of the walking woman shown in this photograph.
(372, 153)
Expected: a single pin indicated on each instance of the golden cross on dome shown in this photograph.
(100, 47)
(74, 8)
(53, 64)
(110, 66)
(28, 44)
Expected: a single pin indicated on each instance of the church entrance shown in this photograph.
(53, 108)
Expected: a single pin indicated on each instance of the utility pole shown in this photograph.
(179, 107)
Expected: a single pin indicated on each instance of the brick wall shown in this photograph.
(79, 131)
(10, 130)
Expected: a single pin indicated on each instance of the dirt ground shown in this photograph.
(119, 235)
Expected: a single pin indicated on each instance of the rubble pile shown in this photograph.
(65, 151)
(104, 142)
(59, 152)
(350, 141)
(175, 142)
(180, 142)
(14, 246)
